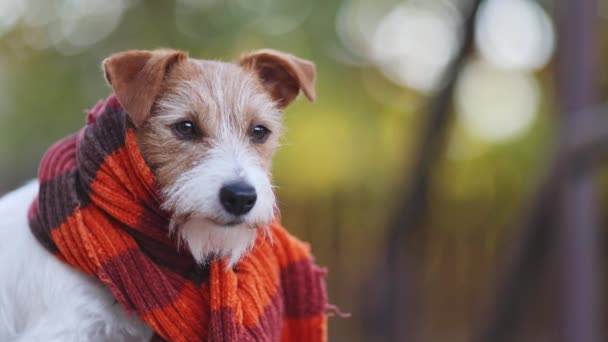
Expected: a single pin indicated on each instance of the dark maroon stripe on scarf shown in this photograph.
(37, 228)
(57, 200)
(270, 322)
(101, 138)
(154, 225)
(58, 159)
(223, 326)
(303, 289)
(154, 240)
(179, 260)
(130, 270)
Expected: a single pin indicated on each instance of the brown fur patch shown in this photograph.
(222, 100)
(282, 74)
(137, 77)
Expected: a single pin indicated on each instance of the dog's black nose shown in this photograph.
(238, 198)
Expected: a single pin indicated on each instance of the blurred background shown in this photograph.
(345, 158)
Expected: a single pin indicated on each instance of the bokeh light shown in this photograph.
(85, 22)
(390, 37)
(494, 104)
(515, 34)
(397, 48)
(411, 42)
(356, 22)
(69, 26)
(10, 13)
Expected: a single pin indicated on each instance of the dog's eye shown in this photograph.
(185, 130)
(259, 134)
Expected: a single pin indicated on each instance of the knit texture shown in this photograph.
(98, 210)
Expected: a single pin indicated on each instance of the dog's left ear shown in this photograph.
(282, 74)
(136, 77)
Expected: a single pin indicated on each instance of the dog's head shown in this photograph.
(208, 131)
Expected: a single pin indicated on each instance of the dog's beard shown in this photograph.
(199, 219)
(206, 239)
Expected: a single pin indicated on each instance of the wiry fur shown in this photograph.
(42, 299)
(225, 102)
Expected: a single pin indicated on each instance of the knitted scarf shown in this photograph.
(98, 210)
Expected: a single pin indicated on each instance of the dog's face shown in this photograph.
(208, 130)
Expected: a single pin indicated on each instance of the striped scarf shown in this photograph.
(98, 210)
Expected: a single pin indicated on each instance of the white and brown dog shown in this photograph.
(208, 132)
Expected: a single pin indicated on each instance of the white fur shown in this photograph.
(196, 194)
(42, 299)
(205, 238)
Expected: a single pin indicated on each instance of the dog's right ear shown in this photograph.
(136, 77)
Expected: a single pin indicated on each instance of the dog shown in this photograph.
(208, 131)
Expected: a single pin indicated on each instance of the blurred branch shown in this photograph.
(590, 142)
(528, 255)
(385, 304)
(433, 135)
(584, 147)
(432, 140)
(577, 228)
